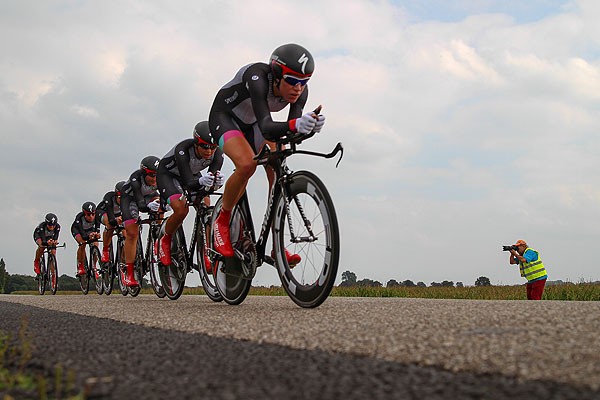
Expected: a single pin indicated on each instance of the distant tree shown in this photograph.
(448, 283)
(421, 284)
(20, 283)
(392, 283)
(483, 281)
(435, 284)
(348, 279)
(459, 284)
(369, 283)
(408, 283)
(66, 282)
(2, 274)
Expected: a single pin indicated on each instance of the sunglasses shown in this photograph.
(293, 81)
(206, 146)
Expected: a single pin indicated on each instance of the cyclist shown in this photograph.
(108, 213)
(85, 227)
(180, 169)
(46, 234)
(240, 121)
(139, 195)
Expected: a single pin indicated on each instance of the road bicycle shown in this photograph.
(302, 218)
(173, 276)
(48, 272)
(91, 264)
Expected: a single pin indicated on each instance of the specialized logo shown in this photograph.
(254, 77)
(53, 220)
(303, 60)
(90, 208)
(156, 163)
(231, 99)
(181, 152)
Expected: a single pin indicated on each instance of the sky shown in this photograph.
(466, 125)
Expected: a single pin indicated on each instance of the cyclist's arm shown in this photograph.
(182, 159)
(56, 232)
(77, 231)
(217, 161)
(136, 190)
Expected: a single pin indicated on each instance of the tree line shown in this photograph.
(349, 279)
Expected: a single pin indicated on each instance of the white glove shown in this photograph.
(154, 205)
(319, 124)
(220, 180)
(206, 180)
(305, 123)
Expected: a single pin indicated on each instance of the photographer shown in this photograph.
(531, 267)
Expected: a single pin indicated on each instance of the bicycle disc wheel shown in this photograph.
(52, 273)
(152, 262)
(95, 267)
(84, 279)
(108, 274)
(120, 267)
(207, 278)
(172, 277)
(138, 269)
(232, 287)
(315, 227)
(43, 276)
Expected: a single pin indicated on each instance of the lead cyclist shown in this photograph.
(241, 123)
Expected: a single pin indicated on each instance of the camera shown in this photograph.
(509, 248)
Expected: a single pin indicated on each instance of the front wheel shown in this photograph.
(84, 279)
(120, 266)
(138, 268)
(152, 262)
(52, 273)
(95, 269)
(43, 276)
(309, 228)
(172, 276)
(108, 274)
(202, 255)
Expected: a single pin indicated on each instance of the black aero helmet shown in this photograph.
(292, 59)
(119, 187)
(149, 164)
(88, 207)
(202, 133)
(51, 219)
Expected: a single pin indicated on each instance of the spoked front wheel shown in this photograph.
(84, 279)
(120, 267)
(95, 269)
(52, 273)
(205, 265)
(138, 269)
(42, 277)
(152, 261)
(108, 274)
(227, 272)
(313, 235)
(172, 276)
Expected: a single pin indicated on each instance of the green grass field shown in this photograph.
(567, 291)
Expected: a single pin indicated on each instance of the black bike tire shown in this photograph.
(138, 267)
(177, 269)
(52, 271)
(210, 288)
(43, 276)
(152, 263)
(94, 266)
(312, 295)
(84, 279)
(108, 276)
(233, 289)
(119, 265)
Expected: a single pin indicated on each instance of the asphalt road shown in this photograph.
(349, 348)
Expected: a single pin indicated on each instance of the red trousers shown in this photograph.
(535, 289)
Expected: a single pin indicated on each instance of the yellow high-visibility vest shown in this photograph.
(533, 270)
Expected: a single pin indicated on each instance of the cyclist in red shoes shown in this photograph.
(46, 234)
(85, 227)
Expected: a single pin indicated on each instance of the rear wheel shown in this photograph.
(95, 269)
(84, 279)
(228, 275)
(172, 277)
(207, 278)
(43, 276)
(52, 273)
(315, 238)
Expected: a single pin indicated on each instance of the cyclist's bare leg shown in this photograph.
(180, 211)
(239, 151)
(131, 237)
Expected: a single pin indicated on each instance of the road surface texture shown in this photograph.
(349, 348)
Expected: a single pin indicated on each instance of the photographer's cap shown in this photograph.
(520, 242)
